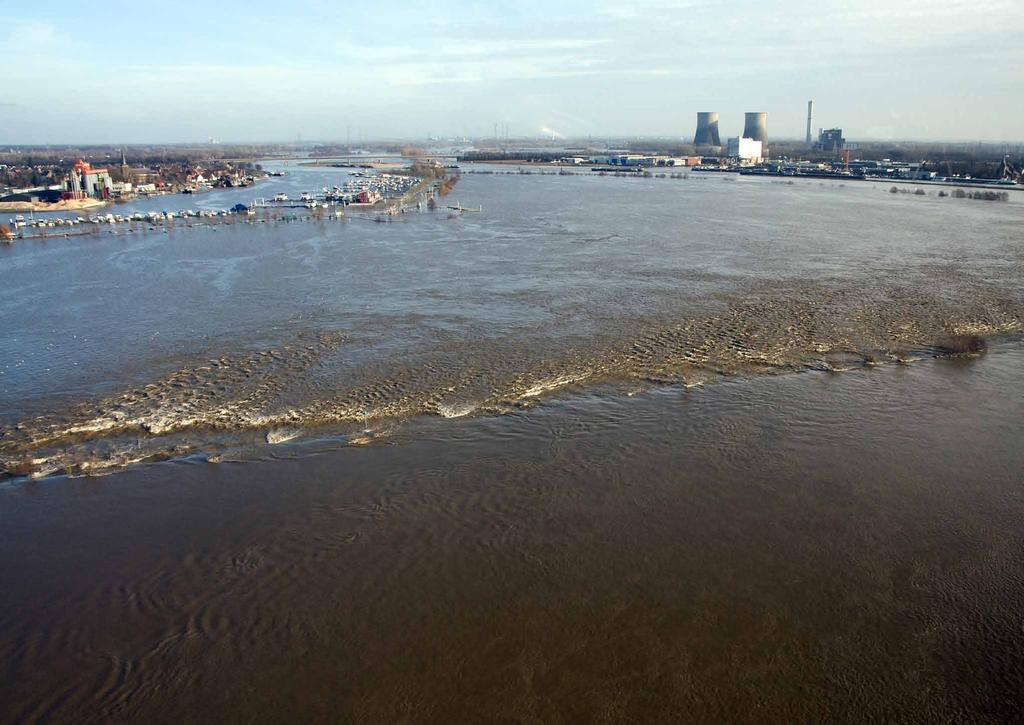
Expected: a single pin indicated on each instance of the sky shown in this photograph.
(119, 72)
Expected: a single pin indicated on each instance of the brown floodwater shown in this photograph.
(704, 449)
(185, 339)
(812, 547)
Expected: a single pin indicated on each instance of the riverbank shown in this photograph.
(553, 164)
(55, 206)
(379, 165)
(989, 184)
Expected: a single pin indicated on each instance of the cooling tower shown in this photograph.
(756, 127)
(707, 130)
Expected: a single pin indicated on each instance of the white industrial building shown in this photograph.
(745, 149)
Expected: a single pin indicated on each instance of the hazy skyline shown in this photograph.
(913, 69)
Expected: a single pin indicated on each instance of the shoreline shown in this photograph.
(382, 165)
(974, 184)
(991, 184)
(53, 206)
(65, 205)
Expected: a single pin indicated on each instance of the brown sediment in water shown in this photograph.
(775, 328)
(217, 393)
(962, 344)
(666, 558)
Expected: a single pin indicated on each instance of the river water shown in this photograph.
(609, 449)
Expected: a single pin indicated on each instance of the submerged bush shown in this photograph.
(980, 195)
(962, 344)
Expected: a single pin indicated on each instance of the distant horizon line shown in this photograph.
(474, 139)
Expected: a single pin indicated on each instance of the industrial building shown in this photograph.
(810, 116)
(747, 150)
(831, 139)
(643, 160)
(84, 181)
(707, 130)
(755, 126)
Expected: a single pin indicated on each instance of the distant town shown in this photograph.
(827, 155)
(73, 182)
(55, 178)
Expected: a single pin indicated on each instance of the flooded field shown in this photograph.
(193, 340)
(642, 450)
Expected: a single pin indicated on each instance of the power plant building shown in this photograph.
(755, 126)
(707, 130)
(745, 149)
(831, 139)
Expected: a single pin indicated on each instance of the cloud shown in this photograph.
(33, 36)
(454, 51)
(454, 48)
(596, 67)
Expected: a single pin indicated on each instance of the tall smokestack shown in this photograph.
(755, 126)
(810, 115)
(707, 130)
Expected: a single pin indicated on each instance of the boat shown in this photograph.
(460, 208)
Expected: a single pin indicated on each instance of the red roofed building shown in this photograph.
(85, 181)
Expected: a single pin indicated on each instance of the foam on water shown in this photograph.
(282, 435)
(456, 410)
